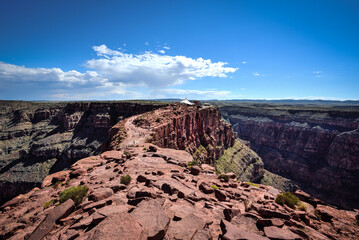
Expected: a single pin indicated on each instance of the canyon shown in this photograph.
(136, 189)
(316, 146)
(39, 138)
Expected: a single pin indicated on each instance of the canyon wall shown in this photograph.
(187, 128)
(317, 148)
(39, 138)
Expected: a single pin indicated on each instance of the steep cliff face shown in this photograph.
(316, 148)
(38, 138)
(190, 128)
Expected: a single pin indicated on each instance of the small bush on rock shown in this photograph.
(77, 194)
(215, 187)
(192, 163)
(287, 198)
(224, 176)
(49, 203)
(126, 179)
(253, 184)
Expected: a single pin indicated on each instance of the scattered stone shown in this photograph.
(195, 170)
(78, 172)
(100, 193)
(120, 226)
(154, 220)
(280, 233)
(220, 195)
(48, 223)
(231, 231)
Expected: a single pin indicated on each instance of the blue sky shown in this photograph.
(112, 50)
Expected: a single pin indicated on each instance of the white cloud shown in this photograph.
(168, 48)
(256, 74)
(196, 94)
(147, 43)
(15, 73)
(317, 72)
(161, 51)
(244, 62)
(151, 69)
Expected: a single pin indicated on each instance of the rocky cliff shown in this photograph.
(147, 192)
(315, 146)
(38, 138)
(190, 128)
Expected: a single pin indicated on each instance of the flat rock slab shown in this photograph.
(120, 226)
(280, 233)
(231, 231)
(153, 219)
(48, 223)
(100, 194)
(186, 227)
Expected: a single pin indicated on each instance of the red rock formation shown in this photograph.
(188, 127)
(164, 199)
(320, 154)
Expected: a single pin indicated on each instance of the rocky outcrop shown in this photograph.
(164, 200)
(316, 147)
(189, 128)
(38, 138)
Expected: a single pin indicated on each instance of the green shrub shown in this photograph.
(49, 203)
(192, 163)
(224, 176)
(126, 179)
(301, 206)
(287, 198)
(215, 187)
(253, 184)
(77, 194)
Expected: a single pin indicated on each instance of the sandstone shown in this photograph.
(48, 223)
(220, 195)
(205, 188)
(78, 172)
(101, 193)
(280, 233)
(267, 213)
(195, 170)
(231, 231)
(186, 227)
(121, 226)
(154, 220)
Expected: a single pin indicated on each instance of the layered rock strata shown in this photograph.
(38, 138)
(183, 127)
(164, 200)
(317, 148)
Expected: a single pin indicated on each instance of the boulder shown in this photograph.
(205, 188)
(280, 233)
(153, 219)
(195, 170)
(54, 215)
(120, 226)
(100, 193)
(220, 195)
(186, 227)
(231, 231)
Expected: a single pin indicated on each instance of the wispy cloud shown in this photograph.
(197, 94)
(244, 62)
(151, 69)
(256, 74)
(317, 74)
(168, 48)
(161, 51)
